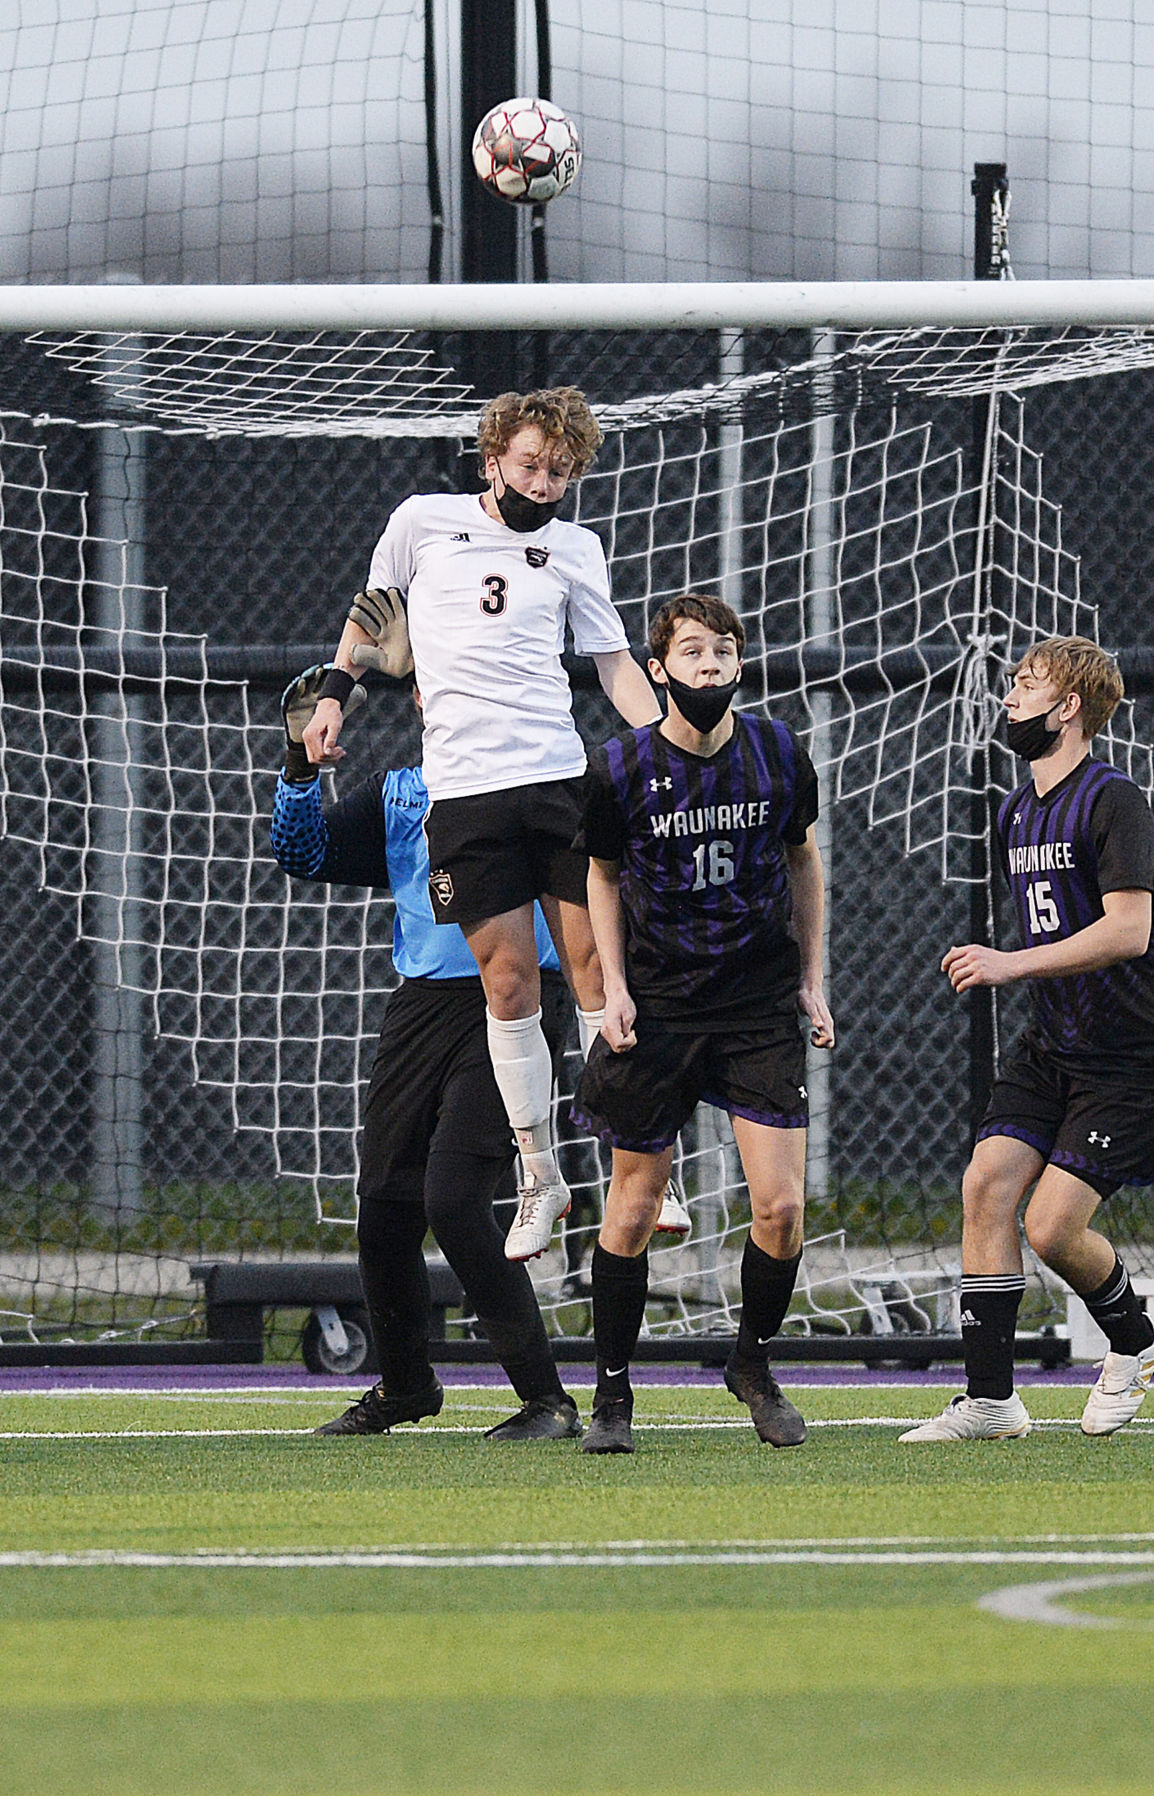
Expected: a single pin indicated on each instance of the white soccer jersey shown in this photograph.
(487, 613)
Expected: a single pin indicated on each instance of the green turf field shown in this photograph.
(197, 1596)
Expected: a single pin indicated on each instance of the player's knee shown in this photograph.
(986, 1195)
(780, 1219)
(1051, 1237)
(511, 987)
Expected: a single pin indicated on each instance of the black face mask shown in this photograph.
(1028, 737)
(702, 707)
(522, 513)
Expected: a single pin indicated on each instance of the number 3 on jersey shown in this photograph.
(1044, 918)
(496, 594)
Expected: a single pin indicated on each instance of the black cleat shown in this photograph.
(774, 1416)
(376, 1412)
(539, 1419)
(610, 1430)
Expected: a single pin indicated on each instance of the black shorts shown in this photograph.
(495, 851)
(1100, 1130)
(641, 1100)
(432, 1084)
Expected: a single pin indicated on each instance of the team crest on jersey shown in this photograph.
(536, 557)
(441, 886)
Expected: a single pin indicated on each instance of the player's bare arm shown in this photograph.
(626, 687)
(1122, 934)
(807, 882)
(607, 917)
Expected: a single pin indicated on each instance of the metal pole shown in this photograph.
(990, 189)
(820, 575)
(117, 1007)
(488, 225)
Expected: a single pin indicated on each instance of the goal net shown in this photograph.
(896, 514)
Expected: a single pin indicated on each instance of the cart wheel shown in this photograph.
(317, 1351)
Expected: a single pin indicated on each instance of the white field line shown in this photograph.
(546, 1558)
(338, 1387)
(1043, 1602)
(704, 1425)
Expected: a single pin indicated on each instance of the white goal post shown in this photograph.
(656, 305)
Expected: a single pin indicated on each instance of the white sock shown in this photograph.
(524, 1074)
(589, 1027)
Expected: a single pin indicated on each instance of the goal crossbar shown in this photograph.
(653, 305)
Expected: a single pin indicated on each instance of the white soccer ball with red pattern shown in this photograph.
(526, 151)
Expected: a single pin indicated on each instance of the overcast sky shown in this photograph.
(781, 139)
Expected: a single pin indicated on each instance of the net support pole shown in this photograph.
(818, 572)
(990, 190)
(488, 225)
(117, 1003)
(714, 1136)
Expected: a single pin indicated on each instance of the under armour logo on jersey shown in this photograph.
(459, 536)
(536, 557)
(665, 785)
(802, 1092)
(1017, 816)
(1095, 1140)
(441, 886)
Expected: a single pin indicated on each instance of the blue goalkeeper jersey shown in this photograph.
(375, 837)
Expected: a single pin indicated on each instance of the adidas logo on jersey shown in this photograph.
(969, 1320)
(459, 536)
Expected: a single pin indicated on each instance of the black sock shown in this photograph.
(766, 1288)
(459, 1191)
(390, 1238)
(620, 1286)
(1120, 1313)
(989, 1324)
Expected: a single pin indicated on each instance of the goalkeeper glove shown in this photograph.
(297, 704)
(382, 616)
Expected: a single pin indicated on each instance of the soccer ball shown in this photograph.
(526, 151)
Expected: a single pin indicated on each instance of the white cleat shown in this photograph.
(1117, 1396)
(673, 1217)
(538, 1207)
(975, 1419)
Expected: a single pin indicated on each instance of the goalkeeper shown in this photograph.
(436, 1151)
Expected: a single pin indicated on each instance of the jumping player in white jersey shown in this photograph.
(490, 582)
(1070, 1113)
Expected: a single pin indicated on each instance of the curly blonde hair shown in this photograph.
(561, 414)
(1075, 664)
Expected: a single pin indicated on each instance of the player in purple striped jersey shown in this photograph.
(706, 896)
(1070, 1113)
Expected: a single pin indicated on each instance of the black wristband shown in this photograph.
(338, 684)
(298, 769)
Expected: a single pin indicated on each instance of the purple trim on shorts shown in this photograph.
(1099, 1178)
(605, 1134)
(770, 1119)
(1038, 1142)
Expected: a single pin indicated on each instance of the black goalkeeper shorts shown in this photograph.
(432, 1085)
